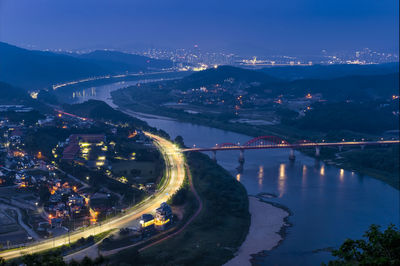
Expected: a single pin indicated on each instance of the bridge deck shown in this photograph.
(296, 146)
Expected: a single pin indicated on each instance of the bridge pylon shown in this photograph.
(317, 151)
(214, 155)
(241, 156)
(292, 157)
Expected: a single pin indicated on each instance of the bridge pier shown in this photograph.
(317, 151)
(292, 157)
(340, 148)
(214, 155)
(241, 156)
(362, 146)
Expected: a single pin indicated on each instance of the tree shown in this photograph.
(47, 259)
(179, 197)
(179, 141)
(44, 194)
(379, 248)
(86, 261)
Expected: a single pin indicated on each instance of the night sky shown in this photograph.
(252, 26)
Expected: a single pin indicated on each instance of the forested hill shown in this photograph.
(329, 71)
(10, 95)
(237, 80)
(361, 87)
(31, 69)
(36, 69)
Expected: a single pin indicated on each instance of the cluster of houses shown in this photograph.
(66, 203)
(15, 161)
(22, 170)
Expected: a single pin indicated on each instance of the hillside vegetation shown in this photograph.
(31, 69)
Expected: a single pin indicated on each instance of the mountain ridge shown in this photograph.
(32, 69)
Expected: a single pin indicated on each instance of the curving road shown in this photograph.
(175, 165)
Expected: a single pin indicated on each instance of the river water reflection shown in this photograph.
(328, 204)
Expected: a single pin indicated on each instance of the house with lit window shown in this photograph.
(86, 149)
(163, 216)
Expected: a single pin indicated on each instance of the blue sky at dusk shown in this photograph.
(261, 26)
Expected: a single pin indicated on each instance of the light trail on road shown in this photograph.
(175, 169)
(57, 86)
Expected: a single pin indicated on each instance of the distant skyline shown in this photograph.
(258, 27)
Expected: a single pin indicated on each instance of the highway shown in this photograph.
(57, 86)
(175, 168)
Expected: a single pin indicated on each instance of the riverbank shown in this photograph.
(264, 234)
(64, 91)
(215, 235)
(288, 133)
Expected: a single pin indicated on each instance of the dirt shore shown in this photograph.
(266, 222)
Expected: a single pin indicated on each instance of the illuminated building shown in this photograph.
(146, 222)
(88, 149)
(161, 221)
(163, 216)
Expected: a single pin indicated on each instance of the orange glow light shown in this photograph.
(132, 135)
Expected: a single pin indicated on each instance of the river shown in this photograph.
(328, 204)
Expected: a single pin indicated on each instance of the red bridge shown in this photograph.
(273, 142)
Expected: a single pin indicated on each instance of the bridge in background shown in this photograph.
(273, 142)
